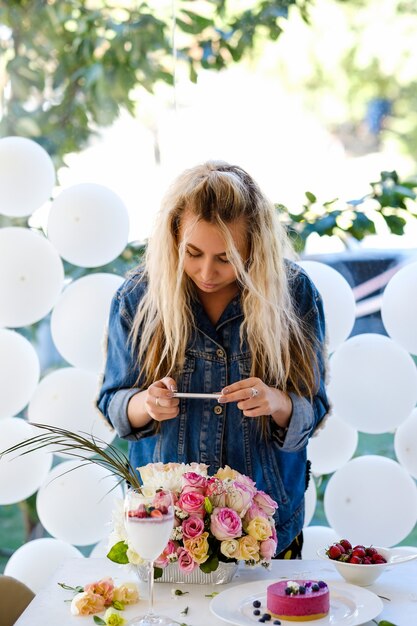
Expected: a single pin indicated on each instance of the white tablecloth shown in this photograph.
(49, 607)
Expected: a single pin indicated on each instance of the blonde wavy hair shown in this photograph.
(283, 352)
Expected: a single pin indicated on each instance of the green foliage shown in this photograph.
(70, 67)
(390, 199)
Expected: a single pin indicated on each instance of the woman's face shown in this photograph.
(206, 261)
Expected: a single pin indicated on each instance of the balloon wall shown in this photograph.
(88, 228)
(372, 385)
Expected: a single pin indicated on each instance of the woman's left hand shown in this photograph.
(255, 399)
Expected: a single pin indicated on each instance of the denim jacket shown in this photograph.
(212, 433)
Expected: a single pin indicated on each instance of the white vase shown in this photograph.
(172, 574)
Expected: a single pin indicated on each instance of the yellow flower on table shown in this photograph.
(249, 548)
(198, 548)
(259, 528)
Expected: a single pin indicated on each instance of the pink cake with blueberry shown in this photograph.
(298, 600)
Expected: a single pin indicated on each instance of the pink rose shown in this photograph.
(164, 558)
(104, 588)
(192, 527)
(267, 549)
(239, 498)
(196, 481)
(248, 482)
(252, 512)
(266, 503)
(86, 603)
(225, 524)
(192, 503)
(185, 561)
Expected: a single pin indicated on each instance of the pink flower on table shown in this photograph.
(267, 549)
(167, 555)
(251, 513)
(239, 498)
(104, 588)
(225, 524)
(265, 502)
(248, 482)
(185, 561)
(195, 481)
(192, 503)
(192, 527)
(87, 603)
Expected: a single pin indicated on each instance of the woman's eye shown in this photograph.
(224, 260)
(190, 254)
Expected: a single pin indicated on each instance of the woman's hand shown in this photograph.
(159, 403)
(255, 399)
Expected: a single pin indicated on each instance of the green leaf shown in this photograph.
(208, 505)
(210, 565)
(385, 622)
(98, 620)
(77, 589)
(395, 223)
(157, 572)
(311, 197)
(118, 553)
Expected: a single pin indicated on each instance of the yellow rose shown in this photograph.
(259, 528)
(230, 548)
(127, 593)
(198, 548)
(249, 548)
(134, 557)
(114, 618)
(226, 472)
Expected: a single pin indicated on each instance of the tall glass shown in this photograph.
(149, 521)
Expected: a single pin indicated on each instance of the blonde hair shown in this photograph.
(283, 352)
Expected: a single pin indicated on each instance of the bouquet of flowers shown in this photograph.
(223, 517)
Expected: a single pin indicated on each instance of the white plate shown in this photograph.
(349, 605)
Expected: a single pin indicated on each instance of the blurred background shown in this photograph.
(317, 100)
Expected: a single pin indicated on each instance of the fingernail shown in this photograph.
(173, 388)
(221, 400)
(225, 391)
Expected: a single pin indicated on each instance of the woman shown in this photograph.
(216, 307)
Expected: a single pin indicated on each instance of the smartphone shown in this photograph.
(214, 396)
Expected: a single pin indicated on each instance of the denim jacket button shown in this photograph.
(220, 353)
(218, 409)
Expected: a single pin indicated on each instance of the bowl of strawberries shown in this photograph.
(359, 564)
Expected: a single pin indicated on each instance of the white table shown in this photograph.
(398, 582)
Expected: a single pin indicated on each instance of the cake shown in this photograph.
(298, 600)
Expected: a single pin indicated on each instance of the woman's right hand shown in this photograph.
(159, 403)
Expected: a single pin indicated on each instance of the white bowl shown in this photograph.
(365, 575)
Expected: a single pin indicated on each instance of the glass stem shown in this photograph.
(150, 588)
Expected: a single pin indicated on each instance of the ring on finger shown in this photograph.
(254, 392)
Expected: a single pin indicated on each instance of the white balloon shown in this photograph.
(20, 475)
(31, 276)
(399, 307)
(66, 399)
(332, 446)
(405, 444)
(20, 370)
(371, 500)
(338, 301)
(79, 320)
(27, 176)
(316, 537)
(310, 499)
(35, 562)
(373, 383)
(88, 224)
(75, 502)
